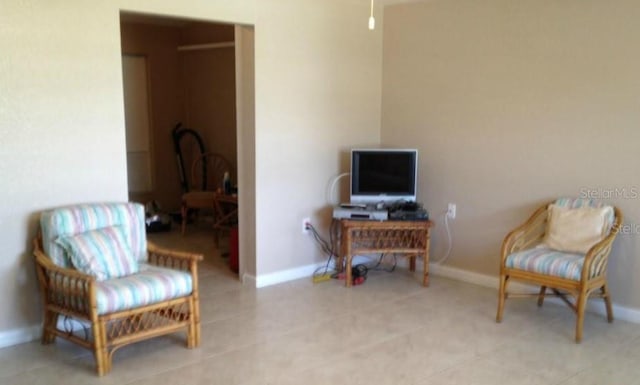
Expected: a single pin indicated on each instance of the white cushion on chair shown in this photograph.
(576, 230)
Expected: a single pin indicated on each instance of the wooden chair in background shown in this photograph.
(207, 173)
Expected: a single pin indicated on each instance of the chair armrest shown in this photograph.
(68, 290)
(596, 259)
(173, 259)
(526, 235)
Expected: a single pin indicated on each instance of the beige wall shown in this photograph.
(512, 104)
(317, 89)
(61, 129)
(245, 75)
(210, 100)
(209, 89)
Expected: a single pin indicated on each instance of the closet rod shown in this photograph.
(194, 47)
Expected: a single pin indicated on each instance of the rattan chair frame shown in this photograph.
(207, 194)
(593, 276)
(215, 165)
(70, 293)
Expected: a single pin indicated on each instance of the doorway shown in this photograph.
(197, 77)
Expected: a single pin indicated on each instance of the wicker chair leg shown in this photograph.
(193, 332)
(103, 364)
(607, 301)
(50, 322)
(543, 290)
(502, 293)
(191, 335)
(103, 361)
(582, 301)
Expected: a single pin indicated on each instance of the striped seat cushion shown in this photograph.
(548, 262)
(150, 285)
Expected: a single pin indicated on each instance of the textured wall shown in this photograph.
(317, 85)
(513, 103)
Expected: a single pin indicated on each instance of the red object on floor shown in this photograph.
(358, 281)
(233, 249)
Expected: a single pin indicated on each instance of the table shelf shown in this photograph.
(410, 238)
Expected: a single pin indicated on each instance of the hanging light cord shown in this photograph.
(372, 21)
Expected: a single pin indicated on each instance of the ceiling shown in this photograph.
(142, 18)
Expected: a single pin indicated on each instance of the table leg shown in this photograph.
(184, 210)
(412, 263)
(340, 260)
(425, 278)
(347, 277)
(346, 255)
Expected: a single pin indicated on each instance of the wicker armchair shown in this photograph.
(160, 298)
(580, 275)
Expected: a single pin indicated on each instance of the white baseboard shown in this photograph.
(286, 275)
(463, 275)
(623, 313)
(620, 312)
(20, 335)
(31, 333)
(297, 272)
(293, 274)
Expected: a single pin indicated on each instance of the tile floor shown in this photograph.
(388, 331)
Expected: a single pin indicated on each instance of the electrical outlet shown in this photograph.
(451, 211)
(305, 225)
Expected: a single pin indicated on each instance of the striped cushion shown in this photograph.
(575, 203)
(102, 253)
(151, 285)
(548, 262)
(67, 221)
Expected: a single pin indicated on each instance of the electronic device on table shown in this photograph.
(383, 186)
(362, 211)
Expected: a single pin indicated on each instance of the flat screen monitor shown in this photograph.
(383, 175)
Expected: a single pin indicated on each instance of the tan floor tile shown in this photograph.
(611, 371)
(21, 358)
(552, 347)
(390, 330)
(483, 372)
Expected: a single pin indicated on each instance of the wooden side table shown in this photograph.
(410, 238)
